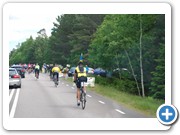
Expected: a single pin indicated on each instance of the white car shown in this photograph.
(91, 71)
(14, 78)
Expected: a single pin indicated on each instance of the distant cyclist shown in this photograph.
(50, 70)
(37, 68)
(80, 76)
(55, 71)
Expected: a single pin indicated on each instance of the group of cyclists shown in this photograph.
(79, 76)
(31, 68)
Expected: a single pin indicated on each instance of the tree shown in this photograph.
(140, 54)
(72, 35)
(158, 79)
(116, 36)
(40, 45)
(132, 38)
(30, 51)
(59, 40)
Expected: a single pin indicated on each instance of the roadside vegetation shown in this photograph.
(147, 105)
(129, 47)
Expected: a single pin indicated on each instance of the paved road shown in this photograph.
(41, 99)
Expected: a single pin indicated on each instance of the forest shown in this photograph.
(131, 47)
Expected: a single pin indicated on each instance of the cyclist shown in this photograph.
(37, 68)
(80, 76)
(55, 71)
(50, 70)
(65, 71)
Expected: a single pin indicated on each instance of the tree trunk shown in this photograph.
(117, 63)
(133, 72)
(141, 66)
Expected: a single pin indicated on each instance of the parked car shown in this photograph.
(121, 72)
(71, 71)
(91, 71)
(20, 70)
(14, 78)
(100, 71)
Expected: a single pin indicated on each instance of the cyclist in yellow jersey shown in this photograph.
(37, 68)
(80, 76)
(56, 70)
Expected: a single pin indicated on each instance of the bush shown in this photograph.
(159, 95)
(101, 80)
(124, 85)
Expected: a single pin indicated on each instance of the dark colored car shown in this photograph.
(71, 71)
(20, 69)
(100, 71)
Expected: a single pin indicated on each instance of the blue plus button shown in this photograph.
(167, 114)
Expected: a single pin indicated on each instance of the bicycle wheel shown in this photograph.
(55, 80)
(51, 77)
(36, 76)
(83, 100)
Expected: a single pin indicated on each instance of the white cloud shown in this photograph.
(26, 21)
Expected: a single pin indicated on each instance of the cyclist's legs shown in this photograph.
(55, 73)
(38, 73)
(35, 72)
(50, 73)
(78, 84)
(57, 76)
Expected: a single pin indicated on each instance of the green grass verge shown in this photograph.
(146, 105)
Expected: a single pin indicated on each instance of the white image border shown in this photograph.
(90, 123)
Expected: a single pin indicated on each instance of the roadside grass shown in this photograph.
(147, 105)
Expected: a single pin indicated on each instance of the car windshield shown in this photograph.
(16, 66)
(12, 72)
(72, 69)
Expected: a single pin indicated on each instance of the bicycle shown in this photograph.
(51, 76)
(37, 76)
(55, 80)
(82, 96)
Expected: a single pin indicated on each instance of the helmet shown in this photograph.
(80, 62)
(67, 65)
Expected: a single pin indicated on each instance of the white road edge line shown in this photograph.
(101, 102)
(120, 111)
(89, 95)
(67, 85)
(11, 95)
(14, 104)
(72, 87)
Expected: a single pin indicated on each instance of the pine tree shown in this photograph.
(158, 79)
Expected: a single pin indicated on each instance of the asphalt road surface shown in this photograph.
(41, 99)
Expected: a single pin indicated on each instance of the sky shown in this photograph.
(25, 22)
